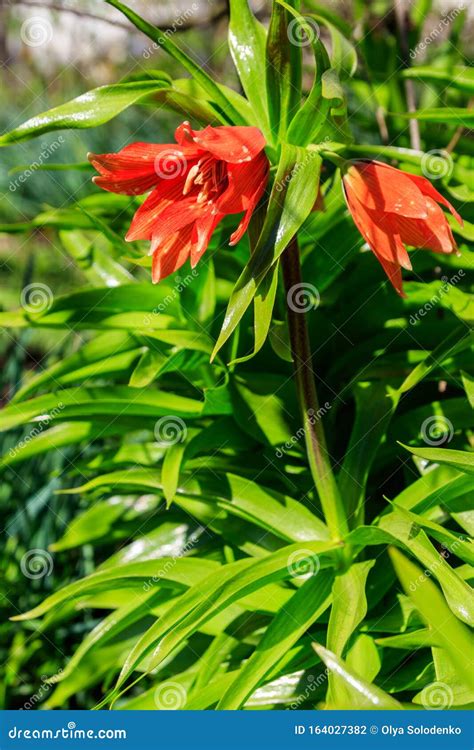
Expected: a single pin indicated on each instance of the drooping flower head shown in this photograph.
(194, 183)
(391, 209)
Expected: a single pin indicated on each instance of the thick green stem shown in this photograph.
(318, 456)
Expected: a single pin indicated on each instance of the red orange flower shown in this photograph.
(391, 209)
(194, 183)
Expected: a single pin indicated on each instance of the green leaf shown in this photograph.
(460, 116)
(343, 54)
(461, 77)
(462, 548)
(359, 694)
(293, 196)
(349, 605)
(468, 383)
(283, 71)
(415, 639)
(41, 440)
(348, 609)
(462, 460)
(171, 469)
(94, 259)
(454, 637)
(263, 303)
(234, 581)
(147, 369)
(364, 658)
(89, 110)
(458, 593)
(133, 306)
(183, 571)
(375, 405)
(77, 402)
(439, 486)
(165, 42)
(311, 121)
(260, 408)
(111, 626)
(91, 353)
(456, 342)
(247, 40)
(300, 612)
(449, 688)
(277, 513)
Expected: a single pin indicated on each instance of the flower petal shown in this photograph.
(138, 167)
(382, 188)
(166, 194)
(432, 234)
(246, 185)
(386, 246)
(380, 232)
(231, 144)
(427, 189)
(202, 232)
(176, 215)
(394, 274)
(170, 256)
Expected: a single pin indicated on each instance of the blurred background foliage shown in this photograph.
(85, 52)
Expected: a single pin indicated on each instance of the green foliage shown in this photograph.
(188, 544)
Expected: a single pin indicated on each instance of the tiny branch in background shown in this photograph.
(222, 12)
(402, 19)
(459, 132)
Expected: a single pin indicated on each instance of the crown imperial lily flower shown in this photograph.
(391, 209)
(194, 183)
